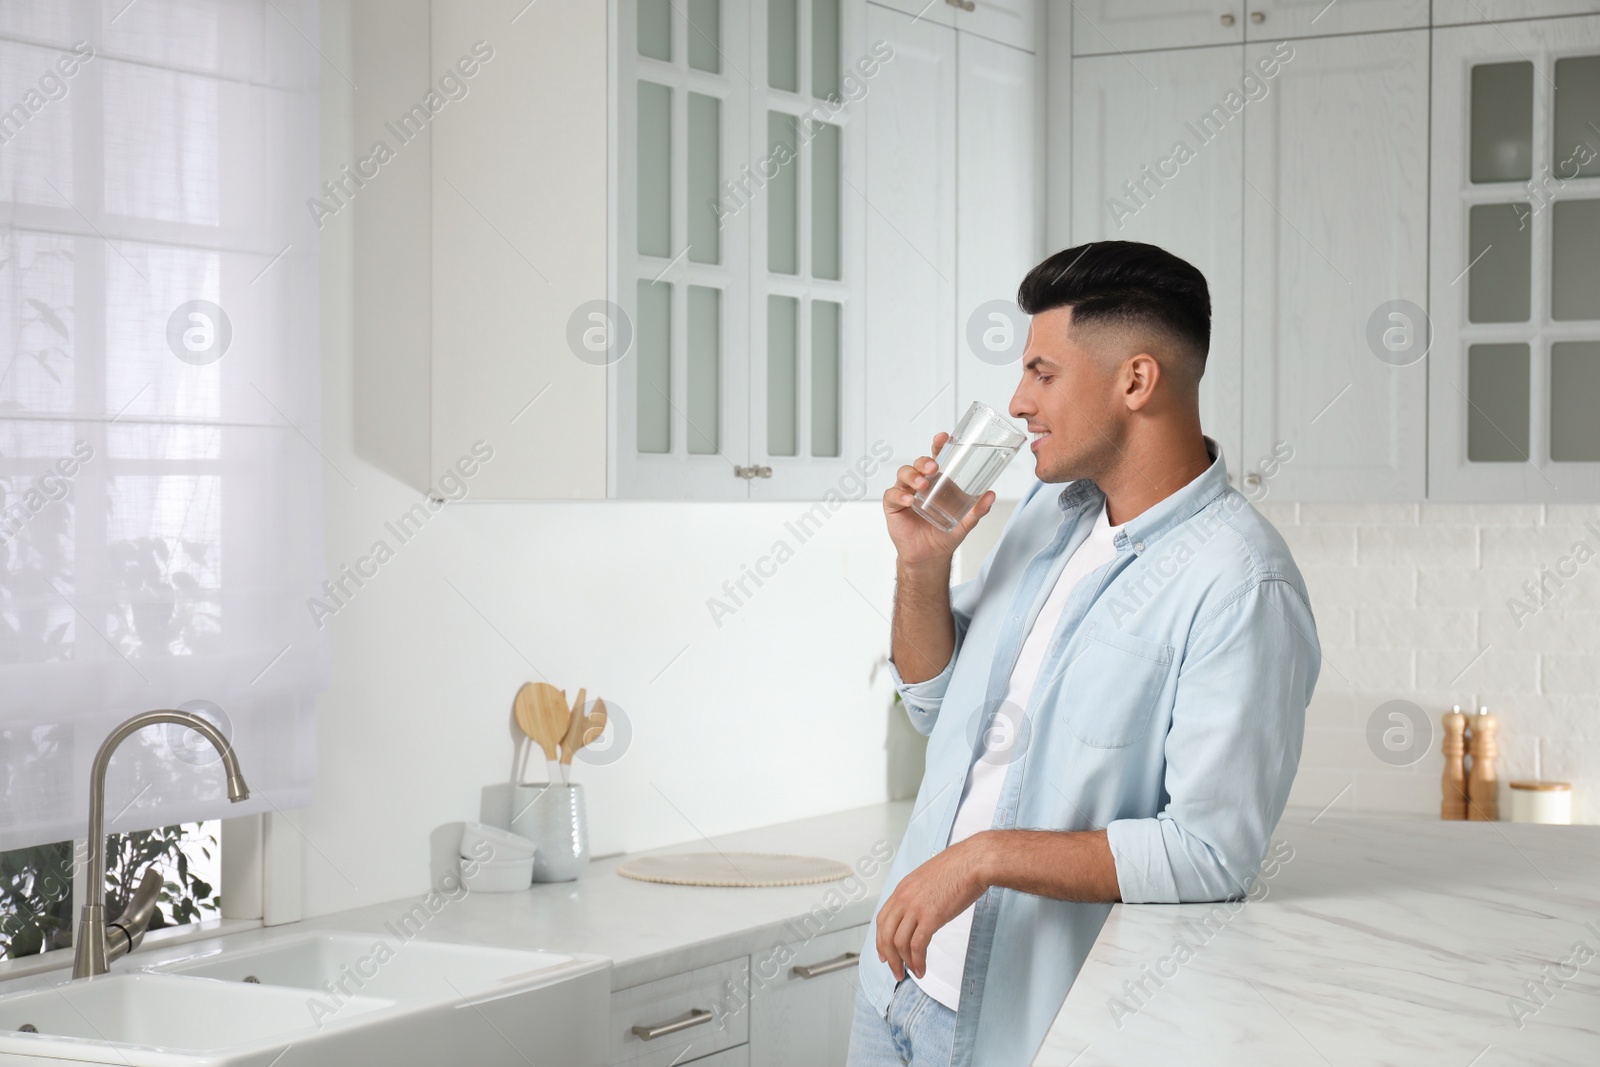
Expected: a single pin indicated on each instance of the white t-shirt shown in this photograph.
(947, 952)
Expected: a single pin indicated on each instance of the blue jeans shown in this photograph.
(919, 1031)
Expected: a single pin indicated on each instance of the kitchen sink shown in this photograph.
(320, 999)
(338, 965)
(155, 1020)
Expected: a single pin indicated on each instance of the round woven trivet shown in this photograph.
(733, 869)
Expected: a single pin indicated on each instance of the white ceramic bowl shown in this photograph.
(496, 876)
(504, 844)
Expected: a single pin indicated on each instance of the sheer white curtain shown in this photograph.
(160, 479)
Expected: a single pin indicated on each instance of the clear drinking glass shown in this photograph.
(983, 443)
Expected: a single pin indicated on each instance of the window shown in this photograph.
(160, 484)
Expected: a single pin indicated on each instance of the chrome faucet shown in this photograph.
(96, 945)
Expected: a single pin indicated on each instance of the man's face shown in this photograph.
(1070, 400)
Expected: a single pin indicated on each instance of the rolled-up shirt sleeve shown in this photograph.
(1237, 725)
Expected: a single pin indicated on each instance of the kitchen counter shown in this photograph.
(651, 930)
(1381, 939)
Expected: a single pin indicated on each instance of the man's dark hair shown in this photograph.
(1125, 283)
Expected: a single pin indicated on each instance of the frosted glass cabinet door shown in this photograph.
(1126, 117)
(1330, 242)
(1514, 375)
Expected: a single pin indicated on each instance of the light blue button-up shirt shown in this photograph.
(1169, 710)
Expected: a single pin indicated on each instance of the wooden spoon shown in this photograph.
(526, 711)
(551, 705)
(597, 723)
(574, 738)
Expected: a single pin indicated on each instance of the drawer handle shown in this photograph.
(817, 970)
(695, 1017)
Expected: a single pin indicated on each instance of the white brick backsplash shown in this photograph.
(1551, 629)
(1574, 514)
(1462, 587)
(1571, 674)
(1358, 514)
(1322, 544)
(1420, 546)
(1423, 593)
(1538, 546)
(1481, 515)
(1502, 670)
(1367, 670)
(1360, 587)
(1335, 625)
(1446, 628)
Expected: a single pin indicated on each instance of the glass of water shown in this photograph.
(969, 463)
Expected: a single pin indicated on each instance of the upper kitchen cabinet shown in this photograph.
(1515, 381)
(1012, 22)
(910, 233)
(1153, 162)
(1475, 12)
(1273, 20)
(1116, 26)
(997, 235)
(737, 253)
(1335, 266)
(503, 298)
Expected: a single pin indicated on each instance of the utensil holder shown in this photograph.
(552, 817)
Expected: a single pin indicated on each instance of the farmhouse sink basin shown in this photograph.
(333, 997)
(150, 1020)
(337, 965)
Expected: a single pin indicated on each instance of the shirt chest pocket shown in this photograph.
(1113, 686)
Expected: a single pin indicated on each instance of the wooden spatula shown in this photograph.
(551, 706)
(597, 723)
(574, 738)
(525, 710)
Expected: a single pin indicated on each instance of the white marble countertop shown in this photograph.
(1384, 939)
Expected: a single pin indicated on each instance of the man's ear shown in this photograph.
(1140, 376)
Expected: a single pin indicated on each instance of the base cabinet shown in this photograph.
(787, 1006)
(803, 1000)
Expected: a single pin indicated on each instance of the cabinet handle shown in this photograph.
(1227, 20)
(1252, 479)
(1258, 17)
(817, 970)
(752, 472)
(695, 1017)
(964, 5)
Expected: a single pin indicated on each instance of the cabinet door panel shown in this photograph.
(1474, 12)
(997, 225)
(910, 235)
(800, 1021)
(1012, 22)
(1335, 222)
(1127, 126)
(1115, 26)
(1529, 438)
(1318, 18)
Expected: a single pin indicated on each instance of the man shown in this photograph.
(1143, 639)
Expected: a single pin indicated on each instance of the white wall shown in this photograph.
(774, 715)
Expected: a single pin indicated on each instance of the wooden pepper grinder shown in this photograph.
(1482, 786)
(1454, 782)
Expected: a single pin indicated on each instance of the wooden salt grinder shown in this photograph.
(1482, 785)
(1454, 781)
